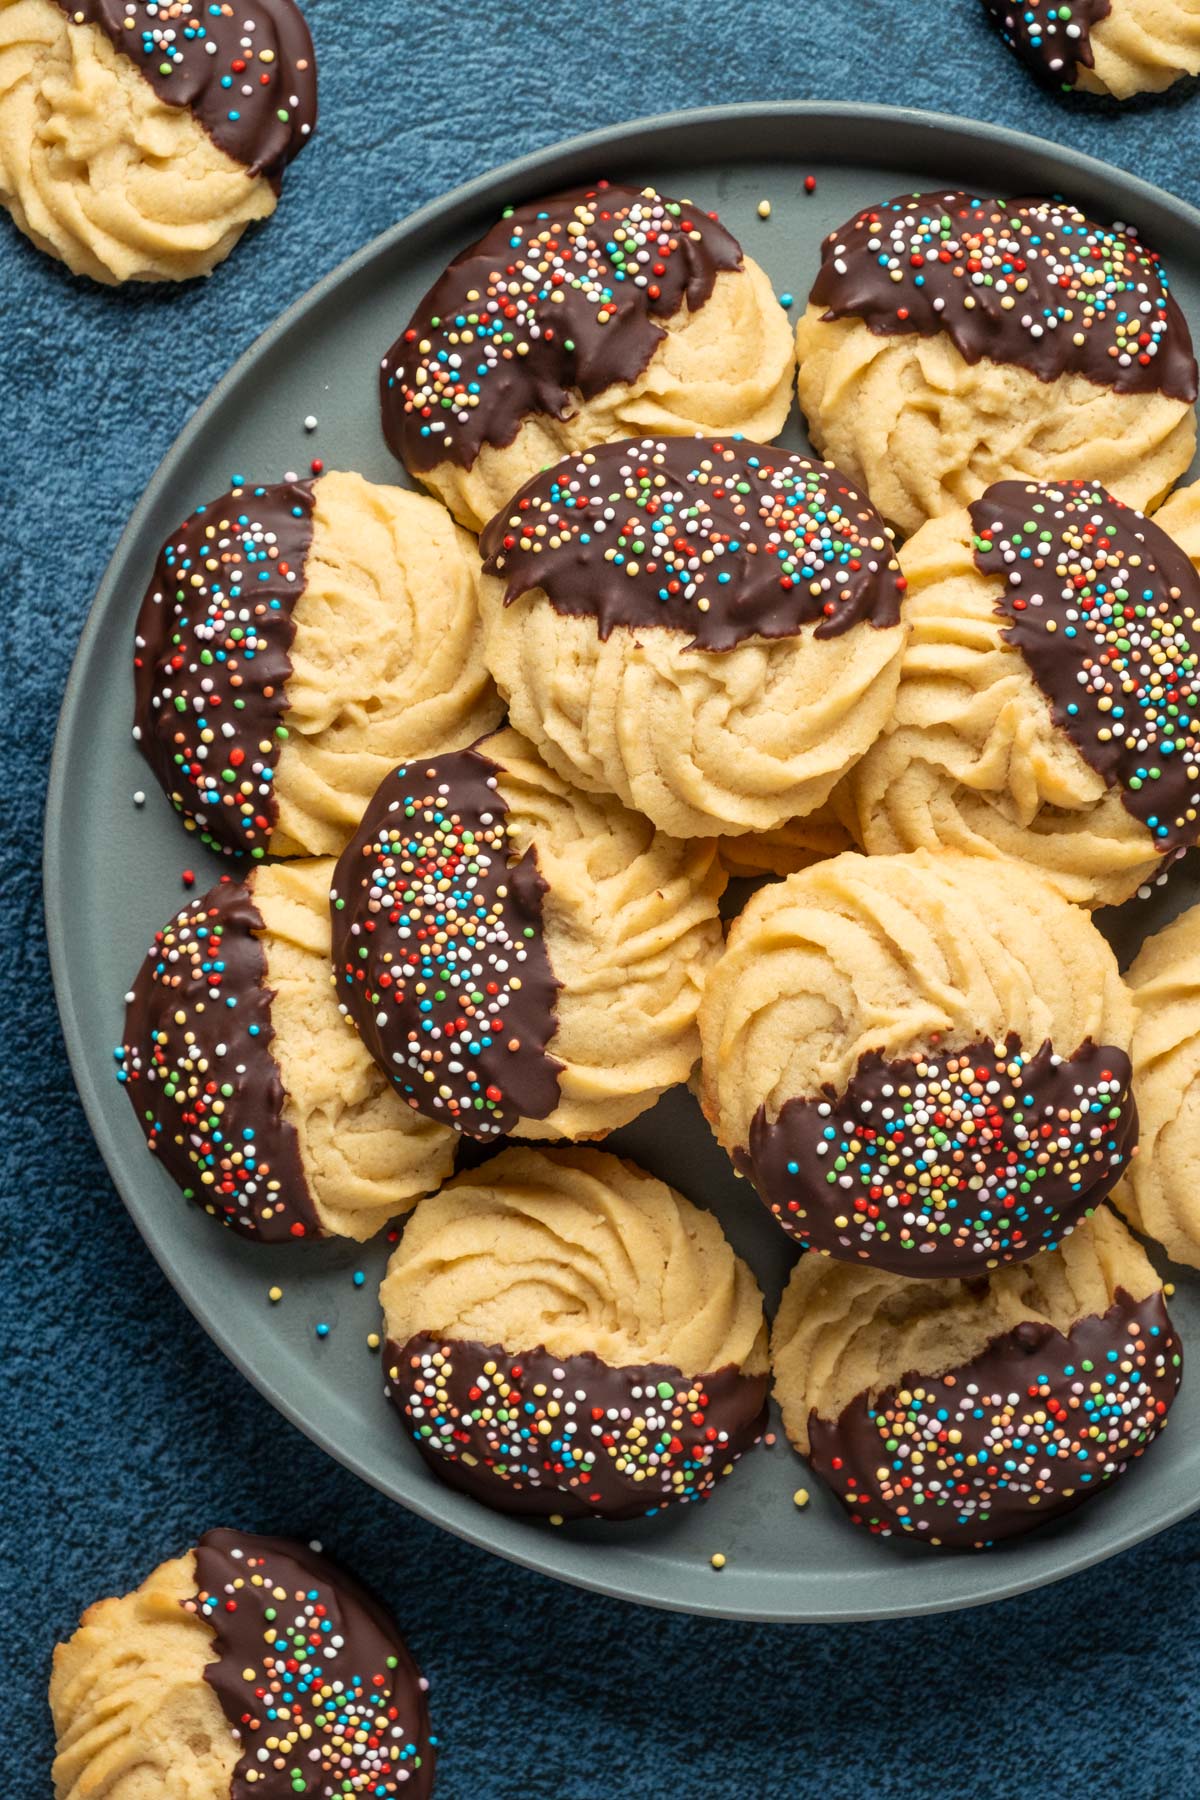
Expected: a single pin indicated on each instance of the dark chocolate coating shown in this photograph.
(206, 1089)
(308, 1657)
(961, 258)
(1105, 609)
(438, 948)
(559, 300)
(1053, 46)
(886, 1173)
(253, 90)
(1048, 1419)
(789, 542)
(213, 655)
(463, 1399)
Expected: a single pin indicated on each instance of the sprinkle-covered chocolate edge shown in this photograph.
(212, 658)
(723, 540)
(561, 299)
(1052, 39)
(439, 952)
(571, 1436)
(197, 1065)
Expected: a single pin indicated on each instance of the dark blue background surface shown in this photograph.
(130, 1433)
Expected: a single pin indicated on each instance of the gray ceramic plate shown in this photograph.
(321, 357)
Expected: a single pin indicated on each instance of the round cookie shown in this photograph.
(957, 1414)
(137, 142)
(1049, 702)
(296, 642)
(709, 630)
(250, 1087)
(234, 1670)
(951, 342)
(1160, 1194)
(568, 1336)
(1117, 47)
(921, 1062)
(597, 314)
(520, 957)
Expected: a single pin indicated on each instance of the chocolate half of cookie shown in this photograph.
(438, 949)
(571, 1436)
(1030, 282)
(562, 298)
(722, 540)
(948, 1163)
(1053, 39)
(246, 72)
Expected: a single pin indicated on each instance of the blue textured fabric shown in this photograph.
(540, 1692)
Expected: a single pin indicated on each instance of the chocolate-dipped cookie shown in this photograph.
(137, 142)
(297, 641)
(519, 956)
(957, 1414)
(1049, 702)
(250, 1668)
(709, 629)
(567, 1336)
(576, 320)
(952, 341)
(1117, 47)
(252, 1090)
(921, 1062)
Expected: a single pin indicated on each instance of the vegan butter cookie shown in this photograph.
(296, 642)
(595, 315)
(1117, 47)
(953, 341)
(956, 1414)
(1049, 701)
(921, 1062)
(708, 629)
(138, 141)
(251, 1088)
(520, 957)
(234, 1671)
(568, 1336)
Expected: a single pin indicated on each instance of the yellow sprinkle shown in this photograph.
(718, 1561)
(274, 1294)
(556, 1518)
(372, 1340)
(800, 1497)
(1168, 1288)
(764, 209)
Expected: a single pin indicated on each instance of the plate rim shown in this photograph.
(919, 128)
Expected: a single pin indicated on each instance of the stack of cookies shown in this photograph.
(488, 758)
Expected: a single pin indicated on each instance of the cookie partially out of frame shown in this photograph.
(518, 956)
(921, 1062)
(707, 628)
(568, 1336)
(957, 1414)
(296, 641)
(138, 141)
(1117, 47)
(251, 1088)
(597, 314)
(952, 341)
(1049, 692)
(233, 1672)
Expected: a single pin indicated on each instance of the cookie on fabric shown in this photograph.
(520, 957)
(566, 1335)
(953, 341)
(138, 142)
(297, 641)
(921, 1062)
(597, 314)
(1117, 47)
(251, 1088)
(1160, 1194)
(709, 629)
(957, 1414)
(242, 1668)
(1049, 701)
